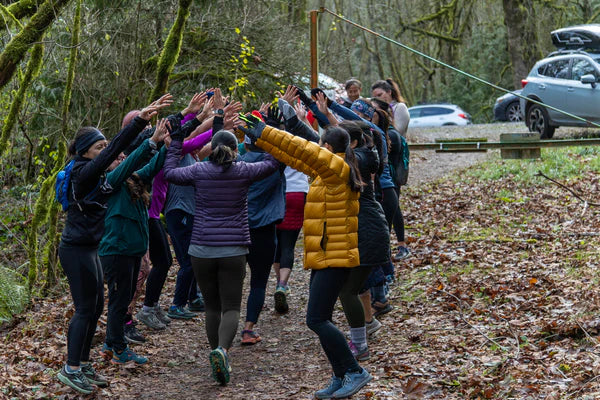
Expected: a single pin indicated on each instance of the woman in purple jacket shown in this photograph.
(220, 236)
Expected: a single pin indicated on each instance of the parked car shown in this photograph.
(437, 115)
(567, 80)
(508, 107)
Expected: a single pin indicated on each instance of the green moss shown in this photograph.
(71, 71)
(170, 53)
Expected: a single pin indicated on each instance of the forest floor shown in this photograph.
(497, 301)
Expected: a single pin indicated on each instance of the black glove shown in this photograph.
(303, 97)
(274, 117)
(254, 127)
(315, 91)
(177, 135)
(174, 123)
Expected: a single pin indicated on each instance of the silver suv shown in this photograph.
(566, 79)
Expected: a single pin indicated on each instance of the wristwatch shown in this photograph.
(218, 113)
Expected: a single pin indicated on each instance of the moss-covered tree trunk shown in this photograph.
(15, 50)
(23, 8)
(40, 213)
(170, 52)
(33, 68)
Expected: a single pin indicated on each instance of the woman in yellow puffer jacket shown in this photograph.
(330, 237)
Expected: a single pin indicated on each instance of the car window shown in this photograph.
(582, 67)
(556, 69)
(414, 113)
(429, 111)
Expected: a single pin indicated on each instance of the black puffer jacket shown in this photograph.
(373, 232)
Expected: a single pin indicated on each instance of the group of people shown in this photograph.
(236, 189)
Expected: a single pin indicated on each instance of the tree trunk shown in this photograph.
(522, 40)
(170, 53)
(15, 50)
(21, 9)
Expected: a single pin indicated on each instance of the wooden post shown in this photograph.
(521, 152)
(314, 57)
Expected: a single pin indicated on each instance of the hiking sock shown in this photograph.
(69, 370)
(147, 309)
(359, 337)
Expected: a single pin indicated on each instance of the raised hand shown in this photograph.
(218, 101)
(264, 108)
(150, 111)
(322, 102)
(206, 110)
(196, 103)
(233, 108)
(231, 122)
(274, 117)
(160, 133)
(300, 111)
(290, 95)
(254, 127)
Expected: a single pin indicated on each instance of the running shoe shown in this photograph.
(180, 312)
(373, 326)
(133, 335)
(335, 384)
(403, 252)
(197, 305)
(381, 308)
(219, 364)
(75, 379)
(106, 352)
(250, 338)
(280, 296)
(161, 314)
(150, 319)
(128, 355)
(93, 376)
(352, 383)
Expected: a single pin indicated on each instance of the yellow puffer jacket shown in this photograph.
(331, 211)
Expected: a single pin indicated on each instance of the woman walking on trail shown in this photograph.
(88, 194)
(330, 237)
(221, 235)
(125, 238)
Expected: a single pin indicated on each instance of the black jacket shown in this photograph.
(84, 225)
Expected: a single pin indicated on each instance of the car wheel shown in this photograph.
(513, 112)
(538, 121)
(449, 124)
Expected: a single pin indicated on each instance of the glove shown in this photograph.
(315, 91)
(174, 123)
(178, 135)
(303, 97)
(274, 117)
(254, 127)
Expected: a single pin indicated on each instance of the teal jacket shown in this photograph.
(126, 221)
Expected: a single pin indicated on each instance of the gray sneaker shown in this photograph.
(76, 379)
(373, 326)
(161, 314)
(150, 319)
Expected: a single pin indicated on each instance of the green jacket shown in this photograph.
(126, 221)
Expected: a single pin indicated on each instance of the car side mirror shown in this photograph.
(589, 78)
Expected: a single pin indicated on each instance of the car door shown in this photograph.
(415, 117)
(434, 116)
(582, 99)
(553, 85)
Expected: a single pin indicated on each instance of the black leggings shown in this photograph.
(161, 258)
(398, 221)
(84, 272)
(353, 307)
(325, 286)
(389, 202)
(221, 281)
(121, 274)
(260, 259)
(286, 244)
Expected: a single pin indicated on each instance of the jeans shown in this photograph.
(160, 256)
(84, 273)
(325, 286)
(121, 274)
(179, 225)
(260, 258)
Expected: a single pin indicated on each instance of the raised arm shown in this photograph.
(173, 174)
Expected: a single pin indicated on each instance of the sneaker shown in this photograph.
(280, 296)
(381, 308)
(197, 305)
(219, 363)
(150, 319)
(106, 352)
(128, 355)
(250, 337)
(373, 326)
(335, 384)
(76, 379)
(180, 313)
(133, 335)
(92, 376)
(352, 383)
(161, 314)
(359, 354)
(402, 253)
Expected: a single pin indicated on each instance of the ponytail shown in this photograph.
(339, 139)
(224, 146)
(376, 140)
(137, 189)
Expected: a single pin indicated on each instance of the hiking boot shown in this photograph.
(381, 308)
(92, 376)
(76, 379)
(161, 314)
(373, 326)
(250, 337)
(128, 355)
(402, 253)
(359, 354)
(335, 384)
(150, 319)
(197, 305)
(133, 335)
(219, 363)
(352, 383)
(280, 296)
(180, 312)
(106, 352)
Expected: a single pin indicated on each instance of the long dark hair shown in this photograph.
(389, 85)
(339, 140)
(137, 189)
(376, 139)
(224, 145)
